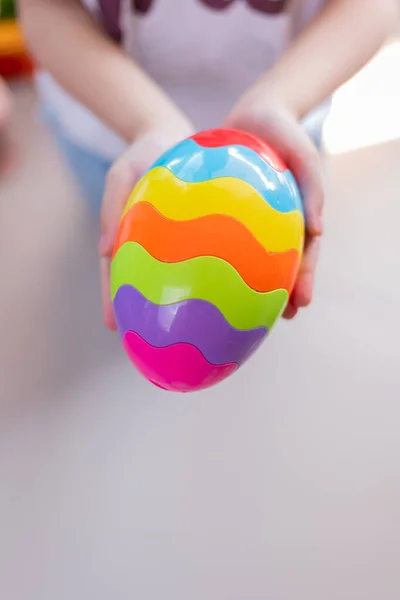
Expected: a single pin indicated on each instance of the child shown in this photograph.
(123, 80)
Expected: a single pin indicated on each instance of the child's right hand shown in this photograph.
(121, 180)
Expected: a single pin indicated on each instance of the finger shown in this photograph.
(121, 179)
(303, 290)
(302, 158)
(290, 311)
(300, 155)
(119, 184)
(108, 313)
(304, 161)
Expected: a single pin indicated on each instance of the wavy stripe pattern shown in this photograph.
(205, 278)
(212, 235)
(181, 201)
(179, 367)
(193, 163)
(215, 138)
(194, 322)
(206, 255)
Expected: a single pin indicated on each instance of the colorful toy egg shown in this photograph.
(206, 256)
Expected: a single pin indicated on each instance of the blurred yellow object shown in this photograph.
(11, 40)
(14, 60)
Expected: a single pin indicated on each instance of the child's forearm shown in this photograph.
(332, 49)
(67, 42)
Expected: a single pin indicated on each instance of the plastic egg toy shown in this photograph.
(206, 256)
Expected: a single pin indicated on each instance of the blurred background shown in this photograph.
(282, 483)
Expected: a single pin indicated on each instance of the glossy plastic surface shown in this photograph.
(180, 201)
(230, 137)
(277, 188)
(192, 321)
(172, 241)
(180, 367)
(206, 256)
(205, 277)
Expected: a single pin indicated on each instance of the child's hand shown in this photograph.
(121, 180)
(277, 125)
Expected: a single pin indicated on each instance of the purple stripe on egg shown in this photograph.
(194, 321)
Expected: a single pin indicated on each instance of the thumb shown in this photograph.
(121, 180)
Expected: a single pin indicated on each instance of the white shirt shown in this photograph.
(202, 57)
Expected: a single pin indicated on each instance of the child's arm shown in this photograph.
(342, 38)
(66, 41)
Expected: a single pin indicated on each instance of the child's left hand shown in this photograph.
(271, 120)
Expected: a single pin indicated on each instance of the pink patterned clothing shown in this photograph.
(203, 53)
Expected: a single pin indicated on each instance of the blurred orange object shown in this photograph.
(14, 60)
